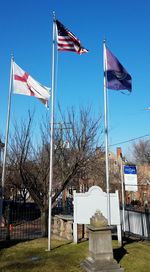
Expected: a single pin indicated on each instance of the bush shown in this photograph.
(136, 202)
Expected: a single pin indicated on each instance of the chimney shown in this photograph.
(119, 152)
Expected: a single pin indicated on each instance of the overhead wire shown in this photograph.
(130, 140)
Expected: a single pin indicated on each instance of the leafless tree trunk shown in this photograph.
(28, 166)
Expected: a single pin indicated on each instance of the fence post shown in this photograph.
(147, 222)
(142, 225)
(128, 221)
(8, 222)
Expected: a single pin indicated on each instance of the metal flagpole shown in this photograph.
(51, 136)
(6, 136)
(106, 132)
(122, 193)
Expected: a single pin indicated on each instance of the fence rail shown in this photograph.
(20, 221)
(23, 220)
(137, 223)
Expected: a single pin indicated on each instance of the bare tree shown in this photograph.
(27, 170)
(29, 165)
(78, 161)
(141, 152)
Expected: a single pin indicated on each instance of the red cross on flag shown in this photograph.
(23, 83)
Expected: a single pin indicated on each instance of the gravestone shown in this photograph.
(100, 247)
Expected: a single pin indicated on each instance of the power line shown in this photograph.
(131, 140)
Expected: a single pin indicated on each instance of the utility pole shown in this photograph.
(62, 126)
(2, 145)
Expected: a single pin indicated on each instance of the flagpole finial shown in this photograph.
(104, 41)
(54, 15)
(12, 56)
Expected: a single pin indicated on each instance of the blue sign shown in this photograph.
(130, 169)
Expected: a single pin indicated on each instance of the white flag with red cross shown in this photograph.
(24, 84)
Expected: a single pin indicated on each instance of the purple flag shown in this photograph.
(117, 77)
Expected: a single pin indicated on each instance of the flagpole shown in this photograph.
(6, 136)
(122, 193)
(51, 136)
(106, 132)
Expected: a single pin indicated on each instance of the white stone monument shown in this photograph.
(100, 247)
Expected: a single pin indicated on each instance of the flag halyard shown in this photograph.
(67, 41)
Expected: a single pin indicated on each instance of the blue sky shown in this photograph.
(26, 30)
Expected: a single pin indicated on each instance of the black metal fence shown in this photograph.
(20, 221)
(137, 223)
(23, 220)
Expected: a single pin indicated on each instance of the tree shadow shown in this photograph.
(10, 243)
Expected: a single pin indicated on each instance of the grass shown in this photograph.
(32, 256)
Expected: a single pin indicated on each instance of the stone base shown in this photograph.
(91, 265)
(62, 227)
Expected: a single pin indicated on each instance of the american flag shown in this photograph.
(67, 41)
